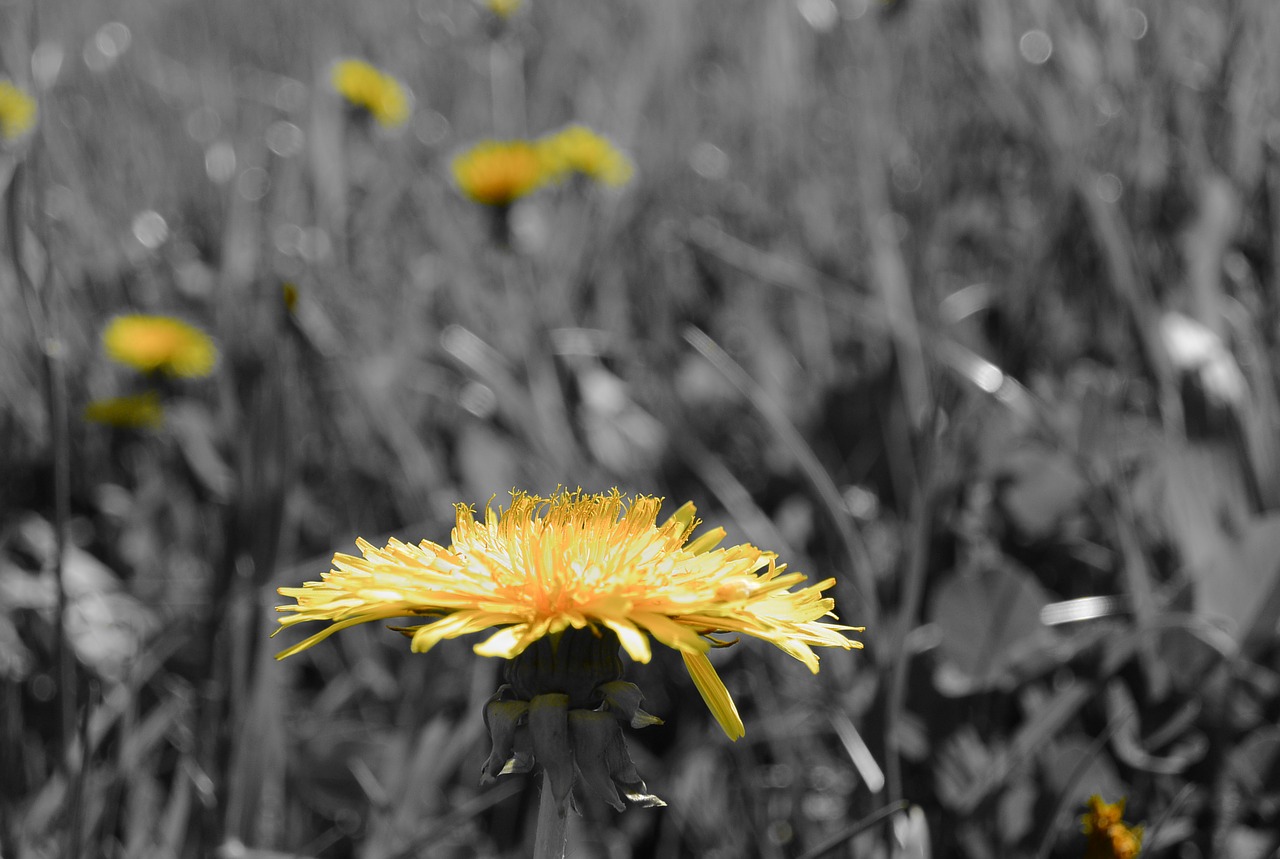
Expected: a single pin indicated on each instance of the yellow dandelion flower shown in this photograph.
(289, 292)
(499, 172)
(370, 89)
(581, 562)
(576, 149)
(17, 111)
(1101, 815)
(1109, 837)
(1126, 843)
(503, 8)
(160, 343)
(136, 411)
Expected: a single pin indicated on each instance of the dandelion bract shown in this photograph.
(160, 344)
(372, 90)
(580, 561)
(17, 111)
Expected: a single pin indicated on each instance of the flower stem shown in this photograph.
(549, 842)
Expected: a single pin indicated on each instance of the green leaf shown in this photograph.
(1239, 587)
(991, 630)
(1045, 488)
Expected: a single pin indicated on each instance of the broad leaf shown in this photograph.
(991, 629)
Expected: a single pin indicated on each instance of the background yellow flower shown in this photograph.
(1109, 837)
(17, 111)
(371, 89)
(499, 172)
(503, 8)
(135, 411)
(578, 149)
(151, 343)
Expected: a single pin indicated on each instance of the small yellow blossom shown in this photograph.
(136, 411)
(499, 172)
(582, 562)
(372, 90)
(576, 149)
(1109, 837)
(503, 8)
(289, 292)
(160, 343)
(17, 111)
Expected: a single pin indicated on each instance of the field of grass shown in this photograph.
(973, 306)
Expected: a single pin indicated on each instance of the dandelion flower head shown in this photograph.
(499, 172)
(160, 343)
(580, 561)
(1109, 837)
(17, 111)
(370, 89)
(289, 294)
(576, 149)
(503, 8)
(135, 411)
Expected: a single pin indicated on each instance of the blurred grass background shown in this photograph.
(971, 305)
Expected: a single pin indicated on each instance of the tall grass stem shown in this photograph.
(507, 91)
(790, 437)
(917, 568)
(42, 316)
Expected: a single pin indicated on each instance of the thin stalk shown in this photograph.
(912, 596)
(819, 479)
(76, 838)
(847, 835)
(42, 310)
(549, 841)
(506, 86)
(530, 332)
(873, 93)
(42, 317)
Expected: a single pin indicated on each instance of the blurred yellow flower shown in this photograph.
(17, 111)
(136, 411)
(370, 89)
(503, 8)
(1109, 837)
(289, 292)
(580, 561)
(499, 172)
(151, 343)
(578, 149)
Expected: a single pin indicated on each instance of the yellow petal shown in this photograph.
(505, 643)
(706, 542)
(458, 624)
(713, 692)
(319, 636)
(635, 642)
(686, 517)
(670, 633)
